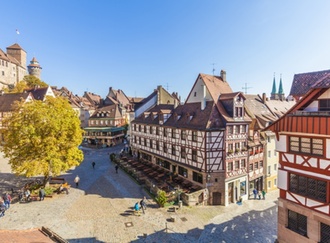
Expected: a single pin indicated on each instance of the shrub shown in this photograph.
(161, 198)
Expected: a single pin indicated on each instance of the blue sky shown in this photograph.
(136, 45)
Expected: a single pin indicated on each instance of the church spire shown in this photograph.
(280, 89)
(274, 86)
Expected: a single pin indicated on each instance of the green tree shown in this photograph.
(28, 82)
(42, 138)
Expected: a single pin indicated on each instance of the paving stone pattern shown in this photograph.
(101, 210)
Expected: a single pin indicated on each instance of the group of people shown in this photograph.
(258, 194)
(142, 205)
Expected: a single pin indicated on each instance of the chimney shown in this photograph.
(264, 98)
(223, 75)
(203, 102)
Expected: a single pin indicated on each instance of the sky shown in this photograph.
(136, 45)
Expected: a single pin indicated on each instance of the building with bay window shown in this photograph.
(303, 145)
(203, 140)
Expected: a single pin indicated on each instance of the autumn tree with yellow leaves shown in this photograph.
(42, 138)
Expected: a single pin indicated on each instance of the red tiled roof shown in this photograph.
(24, 236)
(215, 85)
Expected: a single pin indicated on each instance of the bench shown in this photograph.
(56, 180)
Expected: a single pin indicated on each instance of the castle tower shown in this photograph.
(18, 53)
(34, 68)
(273, 94)
(280, 90)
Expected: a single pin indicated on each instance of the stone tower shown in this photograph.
(34, 68)
(18, 53)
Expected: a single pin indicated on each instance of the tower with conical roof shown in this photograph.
(34, 68)
(273, 94)
(280, 90)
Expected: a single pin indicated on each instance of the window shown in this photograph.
(269, 169)
(182, 171)
(197, 177)
(325, 233)
(195, 94)
(173, 150)
(165, 132)
(144, 129)
(194, 136)
(230, 130)
(165, 148)
(297, 222)
(140, 140)
(269, 184)
(309, 187)
(304, 145)
(183, 152)
(157, 130)
(139, 128)
(261, 164)
(255, 165)
(324, 105)
(236, 164)
(150, 129)
(145, 142)
(275, 167)
(243, 129)
(194, 155)
(173, 133)
(183, 134)
(251, 167)
(230, 166)
(275, 153)
(243, 164)
(269, 154)
(157, 145)
(150, 143)
(275, 182)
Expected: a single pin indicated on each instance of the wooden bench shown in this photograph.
(56, 180)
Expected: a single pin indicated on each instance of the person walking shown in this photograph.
(255, 193)
(76, 180)
(93, 164)
(263, 194)
(143, 204)
(42, 194)
(6, 199)
(116, 169)
(259, 195)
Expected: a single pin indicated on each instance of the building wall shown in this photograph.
(314, 219)
(271, 163)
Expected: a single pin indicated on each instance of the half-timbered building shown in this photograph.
(303, 144)
(196, 140)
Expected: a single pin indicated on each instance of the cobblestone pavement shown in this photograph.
(100, 210)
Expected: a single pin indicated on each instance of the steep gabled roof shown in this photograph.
(255, 107)
(111, 111)
(215, 85)
(304, 81)
(7, 100)
(40, 93)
